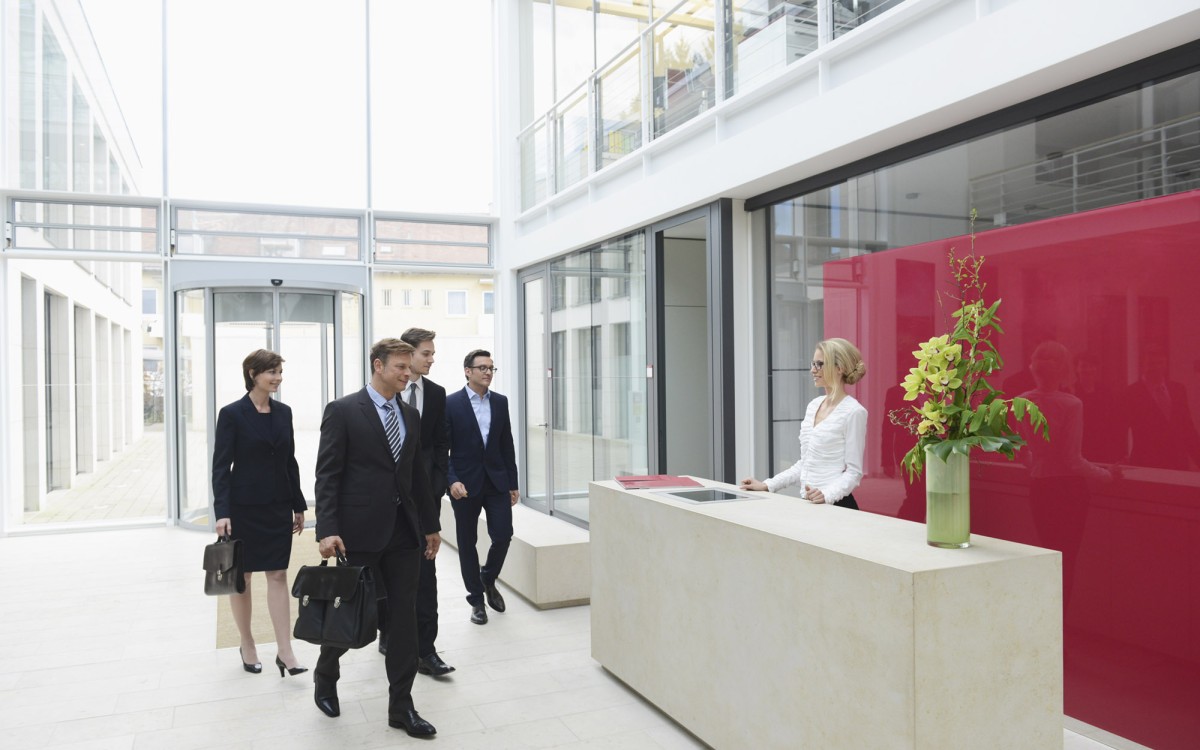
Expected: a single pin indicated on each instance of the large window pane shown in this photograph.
(91, 446)
(278, 101)
(435, 156)
(572, 138)
(619, 102)
(684, 80)
(424, 300)
(400, 240)
(1095, 268)
(267, 235)
(574, 46)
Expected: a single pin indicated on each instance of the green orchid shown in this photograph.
(957, 408)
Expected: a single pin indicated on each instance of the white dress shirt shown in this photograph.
(419, 384)
(831, 453)
(379, 401)
(482, 406)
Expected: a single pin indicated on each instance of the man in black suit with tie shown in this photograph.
(429, 399)
(373, 506)
(483, 478)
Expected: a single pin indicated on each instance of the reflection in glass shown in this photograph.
(619, 97)
(571, 137)
(267, 234)
(535, 154)
(598, 361)
(684, 78)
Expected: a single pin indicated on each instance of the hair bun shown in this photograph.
(857, 373)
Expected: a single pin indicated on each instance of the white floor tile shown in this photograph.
(97, 661)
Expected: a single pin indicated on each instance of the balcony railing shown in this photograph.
(681, 65)
(1144, 164)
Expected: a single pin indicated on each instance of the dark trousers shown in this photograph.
(396, 568)
(427, 609)
(847, 502)
(498, 508)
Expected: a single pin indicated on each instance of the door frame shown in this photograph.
(718, 218)
(539, 272)
(221, 275)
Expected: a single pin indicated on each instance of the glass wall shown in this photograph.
(285, 106)
(598, 79)
(88, 390)
(1087, 222)
(594, 346)
(454, 305)
(106, 358)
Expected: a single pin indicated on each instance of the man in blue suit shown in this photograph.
(483, 478)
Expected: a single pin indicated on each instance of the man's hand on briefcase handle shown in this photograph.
(332, 545)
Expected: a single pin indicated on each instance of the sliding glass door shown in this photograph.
(585, 373)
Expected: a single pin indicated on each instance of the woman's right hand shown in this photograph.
(224, 527)
(753, 485)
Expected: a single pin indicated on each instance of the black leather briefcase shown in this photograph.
(223, 567)
(337, 605)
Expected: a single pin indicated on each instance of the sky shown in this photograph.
(267, 99)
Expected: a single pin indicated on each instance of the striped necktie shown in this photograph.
(391, 426)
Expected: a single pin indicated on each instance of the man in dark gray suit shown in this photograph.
(373, 506)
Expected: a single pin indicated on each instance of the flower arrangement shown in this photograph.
(958, 409)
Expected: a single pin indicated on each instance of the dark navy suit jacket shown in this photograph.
(253, 465)
(470, 459)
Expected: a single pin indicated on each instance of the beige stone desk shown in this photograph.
(772, 623)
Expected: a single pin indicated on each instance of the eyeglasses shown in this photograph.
(817, 365)
(485, 368)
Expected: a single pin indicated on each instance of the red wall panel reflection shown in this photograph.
(1102, 318)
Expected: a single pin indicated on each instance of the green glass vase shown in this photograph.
(947, 501)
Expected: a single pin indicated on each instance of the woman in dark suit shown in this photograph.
(256, 485)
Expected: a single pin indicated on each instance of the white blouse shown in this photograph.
(831, 453)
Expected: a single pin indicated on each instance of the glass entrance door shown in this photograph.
(318, 334)
(585, 374)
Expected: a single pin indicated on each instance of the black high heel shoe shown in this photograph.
(293, 671)
(251, 668)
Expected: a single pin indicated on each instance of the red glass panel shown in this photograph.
(1102, 318)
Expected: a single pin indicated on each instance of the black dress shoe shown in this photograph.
(411, 722)
(433, 665)
(326, 697)
(494, 600)
(478, 614)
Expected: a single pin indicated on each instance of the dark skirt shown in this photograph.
(266, 534)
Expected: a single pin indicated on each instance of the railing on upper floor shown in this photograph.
(681, 65)
(1134, 166)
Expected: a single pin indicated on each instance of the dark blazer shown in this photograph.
(435, 441)
(358, 481)
(470, 459)
(253, 466)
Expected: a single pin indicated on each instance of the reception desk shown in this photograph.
(772, 623)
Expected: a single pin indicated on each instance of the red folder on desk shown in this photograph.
(655, 481)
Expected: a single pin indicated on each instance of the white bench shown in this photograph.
(548, 561)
